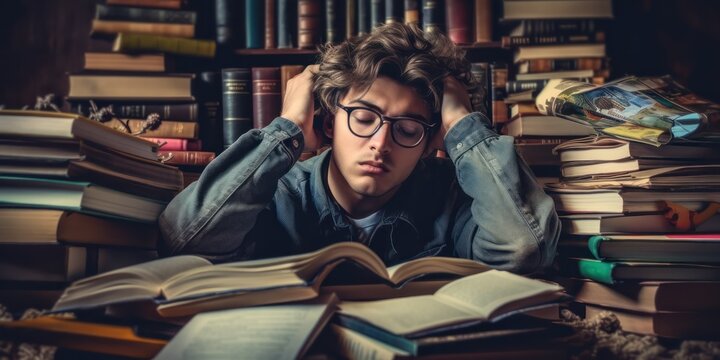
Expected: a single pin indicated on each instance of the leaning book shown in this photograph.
(185, 285)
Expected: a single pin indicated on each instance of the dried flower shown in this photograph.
(103, 114)
(46, 103)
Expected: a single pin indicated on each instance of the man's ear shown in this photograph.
(327, 126)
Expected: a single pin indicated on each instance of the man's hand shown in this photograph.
(455, 106)
(298, 105)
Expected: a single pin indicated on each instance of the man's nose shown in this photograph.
(382, 139)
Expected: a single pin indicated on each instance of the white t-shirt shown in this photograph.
(364, 227)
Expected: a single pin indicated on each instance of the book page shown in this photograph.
(434, 265)
(268, 332)
(492, 290)
(137, 282)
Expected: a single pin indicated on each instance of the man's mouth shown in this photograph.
(374, 167)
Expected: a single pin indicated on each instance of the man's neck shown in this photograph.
(356, 205)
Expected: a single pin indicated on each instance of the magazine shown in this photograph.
(653, 110)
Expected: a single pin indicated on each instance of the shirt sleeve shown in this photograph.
(509, 222)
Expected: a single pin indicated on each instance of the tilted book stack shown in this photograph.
(144, 59)
(550, 40)
(76, 198)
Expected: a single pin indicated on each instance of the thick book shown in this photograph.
(576, 169)
(124, 110)
(481, 298)
(47, 226)
(167, 129)
(524, 53)
(230, 23)
(484, 18)
(71, 127)
(166, 87)
(94, 337)
(689, 177)
(602, 200)
(50, 263)
(124, 13)
(166, 4)
(458, 18)
(270, 332)
(309, 23)
(287, 23)
(592, 224)
(88, 162)
(266, 100)
(552, 65)
(125, 62)
(209, 94)
(412, 12)
(557, 9)
(668, 324)
(78, 196)
(254, 24)
(394, 11)
(237, 104)
(185, 285)
(528, 124)
(432, 16)
(351, 26)
(606, 148)
(514, 41)
(194, 158)
(131, 42)
(150, 28)
(611, 272)
(543, 27)
(647, 296)
(270, 24)
(680, 248)
(363, 14)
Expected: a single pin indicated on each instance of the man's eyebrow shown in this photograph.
(377, 108)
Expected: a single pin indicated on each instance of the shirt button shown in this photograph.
(459, 146)
(296, 143)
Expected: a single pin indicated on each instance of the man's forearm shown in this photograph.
(511, 223)
(212, 216)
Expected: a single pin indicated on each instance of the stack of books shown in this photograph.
(76, 198)
(135, 51)
(550, 40)
(641, 233)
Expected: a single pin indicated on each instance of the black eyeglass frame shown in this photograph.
(386, 119)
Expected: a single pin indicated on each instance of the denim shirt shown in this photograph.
(256, 200)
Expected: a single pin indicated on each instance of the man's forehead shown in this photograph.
(389, 96)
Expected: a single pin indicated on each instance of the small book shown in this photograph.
(267, 103)
(77, 196)
(552, 9)
(65, 126)
(105, 339)
(125, 62)
(164, 87)
(543, 125)
(584, 169)
(185, 285)
(680, 248)
(525, 53)
(610, 272)
(150, 28)
(605, 148)
(618, 201)
(647, 296)
(47, 226)
(592, 224)
(481, 298)
(269, 332)
(125, 110)
(132, 42)
(689, 177)
(669, 324)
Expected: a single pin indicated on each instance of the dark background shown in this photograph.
(43, 40)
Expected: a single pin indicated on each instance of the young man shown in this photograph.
(389, 99)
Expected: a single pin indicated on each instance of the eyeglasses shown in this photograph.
(365, 122)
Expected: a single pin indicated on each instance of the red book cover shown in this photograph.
(266, 95)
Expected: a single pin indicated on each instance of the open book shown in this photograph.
(651, 110)
(486, 297)
(185, 285)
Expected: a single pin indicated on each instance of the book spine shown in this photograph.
(254, 18)
(351, 19)
(121, 13)
(431, 16)
(209, 96)
(333, 15)
(167, 129)
(514, 41)
(459, 22)
(479, 96)
(516, 86)
(483, 21)
(169, 144)
(548, 65)
(594, 246)
(308, 23)
(498, 81)
(266, 95)
(287, 72)
(393, 11)
(363, 13)
(173, 112)
(236, 104)
(270, 27)
(126, 42)
(190, 158)
(558, 27)
(286, 18)
(114, 27)
(600, 271)
(165, 4)
(377, 13)
(229, 24)
(412, 12)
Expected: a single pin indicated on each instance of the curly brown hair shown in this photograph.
(399, 51)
